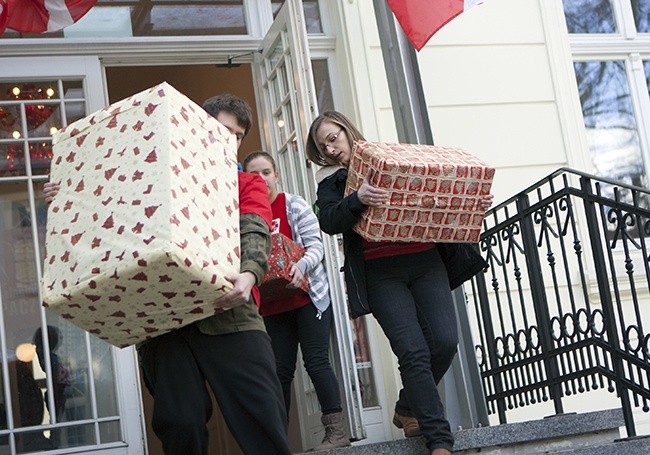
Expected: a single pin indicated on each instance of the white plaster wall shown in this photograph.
(498, 82)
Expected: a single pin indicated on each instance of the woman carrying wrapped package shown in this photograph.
(406, 286)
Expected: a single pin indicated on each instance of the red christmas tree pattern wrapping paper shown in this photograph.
(146, 223)
(433, 192)
(284, 253)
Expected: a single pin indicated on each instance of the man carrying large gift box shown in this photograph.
(230, 350)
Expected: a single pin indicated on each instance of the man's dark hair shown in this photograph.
(233, 105)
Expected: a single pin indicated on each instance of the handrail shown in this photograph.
(565, 170)
(561, 309)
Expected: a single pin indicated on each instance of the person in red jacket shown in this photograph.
(231, 351)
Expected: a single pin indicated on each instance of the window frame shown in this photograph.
(565, 49)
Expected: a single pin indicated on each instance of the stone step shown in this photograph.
(548, 435)
(411, 446)
(629, 446)
(593, 433)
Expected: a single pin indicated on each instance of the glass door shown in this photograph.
(286, 85)
(59, 385)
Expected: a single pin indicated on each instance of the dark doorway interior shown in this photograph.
(198, 82)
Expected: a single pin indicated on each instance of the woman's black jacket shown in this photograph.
(337, 214)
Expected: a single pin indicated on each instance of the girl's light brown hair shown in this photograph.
(258, 154)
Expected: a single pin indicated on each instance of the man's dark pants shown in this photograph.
(239, 368)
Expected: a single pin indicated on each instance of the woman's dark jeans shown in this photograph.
(301, 326)
(409, 295)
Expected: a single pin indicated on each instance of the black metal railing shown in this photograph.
(564, 306)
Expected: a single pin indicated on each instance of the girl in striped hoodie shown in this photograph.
(305, 318)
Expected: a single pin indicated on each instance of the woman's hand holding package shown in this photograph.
(486, 202)
(370, 195)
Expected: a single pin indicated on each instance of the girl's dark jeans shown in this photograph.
(301, 326)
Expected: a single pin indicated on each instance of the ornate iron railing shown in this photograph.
(564, 306)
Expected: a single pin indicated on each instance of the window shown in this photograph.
(60, 386)
(30, 112)
(590, 16)
(610, 43)
(322, 84)
(311, 11)
(641, 11)
(127, 18)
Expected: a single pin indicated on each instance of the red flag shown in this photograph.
(40, 16)
(420, 19)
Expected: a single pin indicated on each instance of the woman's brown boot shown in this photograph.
(409, 424)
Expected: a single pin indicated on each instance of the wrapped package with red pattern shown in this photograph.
(284, 253)
(146, 223)
(434, 192)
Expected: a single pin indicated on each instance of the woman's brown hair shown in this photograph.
(314, 152)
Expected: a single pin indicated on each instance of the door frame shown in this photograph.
(128, 391)
(287, 36)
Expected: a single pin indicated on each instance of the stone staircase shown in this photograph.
(593, 433)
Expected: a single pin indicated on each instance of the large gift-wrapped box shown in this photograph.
(146, 223)
(434, 192)
(284, 253)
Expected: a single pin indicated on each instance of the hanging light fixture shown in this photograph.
(25, 352)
